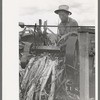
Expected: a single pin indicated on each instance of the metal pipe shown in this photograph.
(22, 24)
(59, 26)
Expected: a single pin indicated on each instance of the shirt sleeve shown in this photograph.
(74, 29)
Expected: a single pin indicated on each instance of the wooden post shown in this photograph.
(84, 66)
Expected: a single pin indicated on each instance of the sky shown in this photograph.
(83, 11)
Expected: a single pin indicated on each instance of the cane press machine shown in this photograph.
(37, 42)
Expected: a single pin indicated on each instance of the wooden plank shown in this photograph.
(48, 48)
(84, 66)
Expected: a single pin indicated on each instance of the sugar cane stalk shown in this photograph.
(51, 96)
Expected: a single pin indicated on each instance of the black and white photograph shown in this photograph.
(57, 50)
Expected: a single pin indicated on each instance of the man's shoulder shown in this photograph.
(73, 21)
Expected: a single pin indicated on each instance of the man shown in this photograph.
(66, 28)
(66, 22)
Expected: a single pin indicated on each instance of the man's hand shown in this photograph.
(69, 34)
(66, 36)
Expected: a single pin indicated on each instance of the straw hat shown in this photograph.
(63, 8)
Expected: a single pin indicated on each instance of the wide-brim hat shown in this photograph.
(64, 8)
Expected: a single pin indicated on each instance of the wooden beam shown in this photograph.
(84, 66)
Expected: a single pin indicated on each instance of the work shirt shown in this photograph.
(64, 30)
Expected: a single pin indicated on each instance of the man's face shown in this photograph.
(63, 15)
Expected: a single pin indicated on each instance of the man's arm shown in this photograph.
(74, 29)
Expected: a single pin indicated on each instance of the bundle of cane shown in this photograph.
(34, 76)
(39, 71)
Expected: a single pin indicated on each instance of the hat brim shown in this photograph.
(57, 11)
